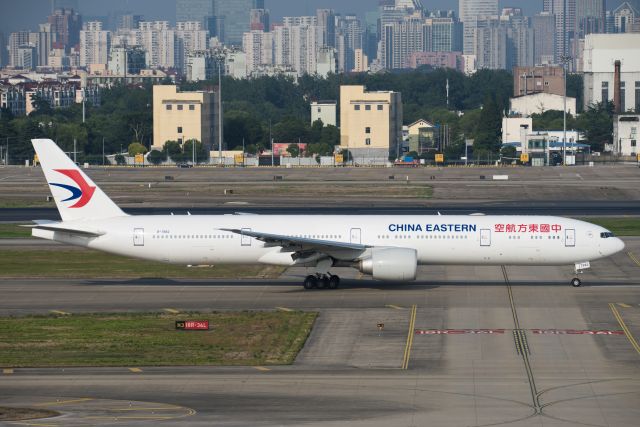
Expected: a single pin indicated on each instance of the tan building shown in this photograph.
(540, 79)
(181, 116)
(370, 122)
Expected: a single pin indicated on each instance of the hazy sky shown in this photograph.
(26, 14)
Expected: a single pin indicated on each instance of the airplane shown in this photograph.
(388, 248)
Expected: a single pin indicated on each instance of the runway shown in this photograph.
(562, 208)
(463, 346)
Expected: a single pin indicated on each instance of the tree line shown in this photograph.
(277, 108)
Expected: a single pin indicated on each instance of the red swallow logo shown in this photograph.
(84, 193)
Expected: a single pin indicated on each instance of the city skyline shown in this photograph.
(28, 13)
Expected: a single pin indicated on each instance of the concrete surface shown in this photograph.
(575, 363)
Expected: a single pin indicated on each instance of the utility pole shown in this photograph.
(447, 93)
(75, 160)
(565, 61)
(103, 151)
(83, 109)
(242, 152)
(220, 110)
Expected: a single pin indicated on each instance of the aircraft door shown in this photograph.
(570, 237)
(138, 237)
(356, 235)
(485, 237)
(244, 239)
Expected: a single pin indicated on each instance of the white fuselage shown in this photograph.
(458, 240)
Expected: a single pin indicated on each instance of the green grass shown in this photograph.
(150, 339)
(14, 231)
(619, 226)
(74, 263)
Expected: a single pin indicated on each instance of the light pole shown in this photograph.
(220, 61)
(565, 61)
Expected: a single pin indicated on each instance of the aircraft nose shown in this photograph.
(618, 245)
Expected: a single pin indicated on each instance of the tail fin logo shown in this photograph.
(83, 192)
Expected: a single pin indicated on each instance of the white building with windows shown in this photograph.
(625, 134)
(324, 111)
(600, 53)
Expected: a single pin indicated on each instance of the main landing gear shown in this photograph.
(576, 283)
(321, 281)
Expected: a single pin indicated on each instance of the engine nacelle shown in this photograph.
(398, 264)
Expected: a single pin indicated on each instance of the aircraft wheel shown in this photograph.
(334, 282)
(310, 282)
(323, 282)
(576, 283)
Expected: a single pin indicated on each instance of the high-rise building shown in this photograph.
(95, 44)
(65, 4)
(128, 22)
(296, 44)
(443, 32)
(327, 20)
(17, 40)
(349, 31)
(590, 17)
(43, 41)
(544, 45)
(190, 37)
(258, 47)
(3, 50)
(66, 24)
(625, 18)
(259, 19)
(504, 42)
(565, 16)
(400, 40)
(235, 15)
(194, 10)
(126, 60)
(159, 40)
(469, 12)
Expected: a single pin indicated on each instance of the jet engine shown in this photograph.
(393, 264)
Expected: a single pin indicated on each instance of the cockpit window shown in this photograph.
(606, 235)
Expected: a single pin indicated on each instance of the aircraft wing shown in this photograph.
(300, 243)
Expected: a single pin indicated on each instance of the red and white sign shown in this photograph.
(574, 332)
(192, 325)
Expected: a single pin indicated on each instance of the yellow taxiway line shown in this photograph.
(626, 330)
(410, 334)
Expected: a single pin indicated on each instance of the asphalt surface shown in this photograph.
(463, 346)
(568, 208)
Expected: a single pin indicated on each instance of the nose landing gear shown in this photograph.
(321, 281)
(576, 283)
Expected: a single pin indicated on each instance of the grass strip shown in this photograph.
(73, 263)
(14, 231)
(150, 339)
(16, 414)
(619, 226)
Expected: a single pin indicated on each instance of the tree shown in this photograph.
(41, 106)
(294, 150)
(316, 131)
(330, 136)
(136, 148)
(597, 123)
(171, 149)
(487, 138)
(291, 129)
(156, 157)
(201, 155)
